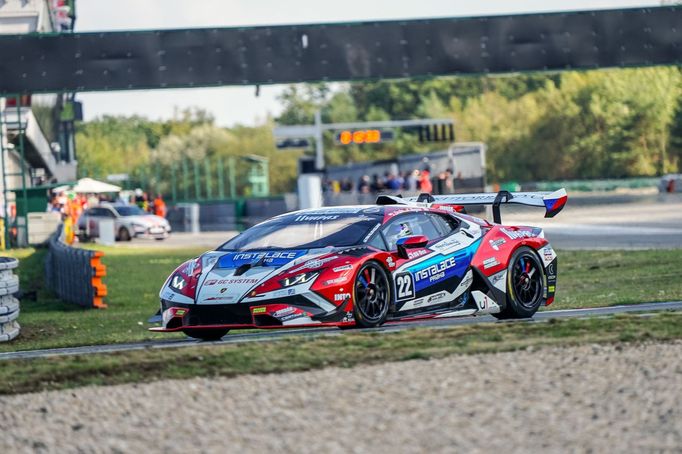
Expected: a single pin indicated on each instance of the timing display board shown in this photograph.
(351, 51)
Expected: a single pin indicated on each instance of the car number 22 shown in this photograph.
(404, 286)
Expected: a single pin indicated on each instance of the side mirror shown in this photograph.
(410, 242)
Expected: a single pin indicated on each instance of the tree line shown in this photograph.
(571, 125)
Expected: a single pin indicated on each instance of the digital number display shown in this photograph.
(360, 136)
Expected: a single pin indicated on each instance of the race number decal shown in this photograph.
(404, 286)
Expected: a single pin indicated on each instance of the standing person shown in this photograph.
(363, 184)
(159, 206)
(449, 182)
(412, 181)
(425, 184)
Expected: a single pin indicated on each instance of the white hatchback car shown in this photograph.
(129, 221)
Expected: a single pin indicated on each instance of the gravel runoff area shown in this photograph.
(616, 398)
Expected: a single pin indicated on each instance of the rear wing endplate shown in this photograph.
(552, 202)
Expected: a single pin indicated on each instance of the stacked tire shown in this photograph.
(9, 305)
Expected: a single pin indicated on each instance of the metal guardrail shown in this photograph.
(73, 274)
(9, 305)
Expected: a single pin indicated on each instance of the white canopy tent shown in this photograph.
(90, 186)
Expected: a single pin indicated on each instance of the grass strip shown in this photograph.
(347, 350)
(135, 275)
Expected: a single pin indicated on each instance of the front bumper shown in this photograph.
(284, 313)
(151, 232)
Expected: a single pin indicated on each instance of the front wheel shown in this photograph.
(525, 285)
(212, 334)
(372, 296)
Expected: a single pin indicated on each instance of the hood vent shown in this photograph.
(242, 269)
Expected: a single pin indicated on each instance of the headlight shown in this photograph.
(298, 279)
(177, 283)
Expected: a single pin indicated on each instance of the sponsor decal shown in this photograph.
(495, 244)
(418, 253)
(551, 272)
(265, 255)
(178, 282)
(390, 262)
(495, 278)
(371, 232)
(403, 210)
(517, 234)
(467, 281)
(241, 280)
(446, 244)
(551, 288)
(307, 217)
(348, 317)
(285, 311)
(258, 310)
(437, 297)
(286, 318)
(490, 262)
(220, 298)
(223, 290)
(315, 263)
(418, 302)
(341, 297)
(170, 296)
(548, 254)
(338, 280)
(435, 271)
(339, 269)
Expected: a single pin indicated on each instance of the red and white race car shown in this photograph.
(400, 259)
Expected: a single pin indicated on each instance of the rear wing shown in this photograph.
(552, 202)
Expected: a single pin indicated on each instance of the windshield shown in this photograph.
(130, 211)
(305, 231)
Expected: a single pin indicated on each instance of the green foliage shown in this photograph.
(573, 125)
(151, 151)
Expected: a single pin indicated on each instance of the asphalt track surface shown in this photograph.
(390, 327)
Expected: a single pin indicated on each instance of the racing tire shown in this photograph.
(372, 295)
(525, 285)
(212, 334)
(124, 234)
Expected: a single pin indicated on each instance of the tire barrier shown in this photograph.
(75, 275)
(9, 305)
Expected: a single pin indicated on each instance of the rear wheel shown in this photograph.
(212, 334)
(372, 296)
(124, 234)
(525, 285)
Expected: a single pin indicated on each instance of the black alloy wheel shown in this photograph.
(212, 334)
(525, 285)
(372, 295)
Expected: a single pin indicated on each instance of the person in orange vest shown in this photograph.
(159, 206)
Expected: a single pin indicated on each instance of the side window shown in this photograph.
(409, 225)
(445, 224)
(378, 242)
(97, 212)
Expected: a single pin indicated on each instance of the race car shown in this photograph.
(362, 266)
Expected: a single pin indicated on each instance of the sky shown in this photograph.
(239, 105)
